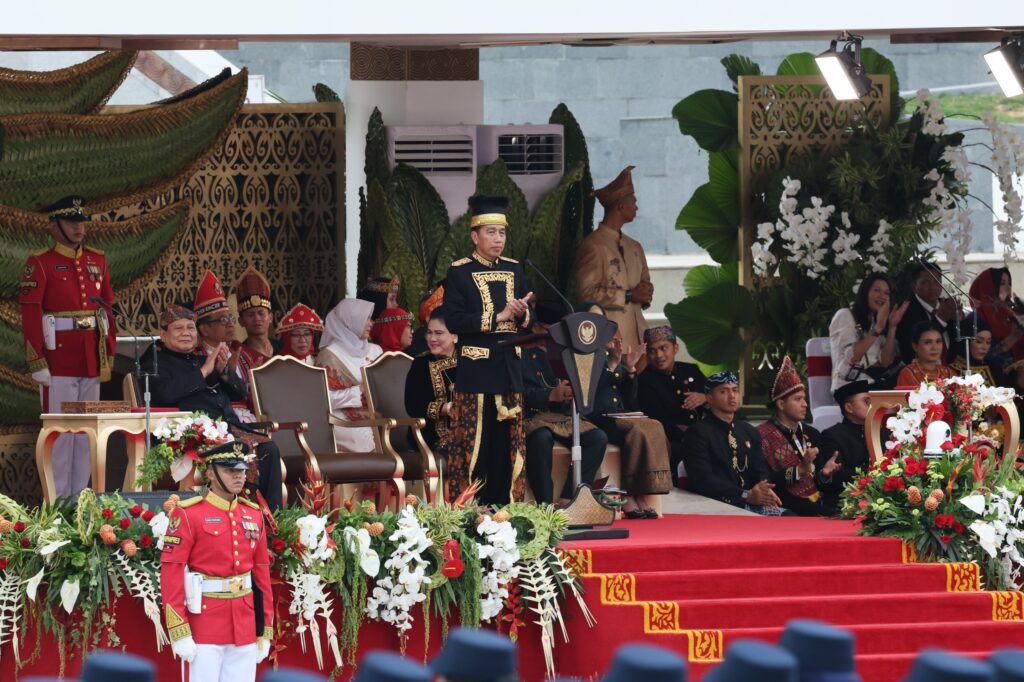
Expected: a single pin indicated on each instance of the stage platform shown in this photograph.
(696, 583)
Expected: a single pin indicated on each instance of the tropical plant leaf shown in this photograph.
(12, 350)
(711, 117)
(79, 89)
(324, 93)
(418, 214)
(376, 165)
(703, 278)
(580, 202)
(710, 324)
(799, 64)
(724, 181)
(205, 86)
(546, 231)
(18, 405)
(115, 159)
(132, 246)
(712, 224)
(493, 180)
(876, 63)
(457, 244)
(737, 65)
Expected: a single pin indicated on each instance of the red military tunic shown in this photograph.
(60, 281)
(219, 539)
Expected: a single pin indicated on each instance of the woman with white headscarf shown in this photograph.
(344, 351)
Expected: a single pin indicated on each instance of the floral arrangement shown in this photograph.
(62, 566)
(182, 439)
(957, 507)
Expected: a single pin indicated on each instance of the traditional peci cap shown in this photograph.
(823, 652)
(252, 290)
(477, 655)
(300, 317)
(231, 455)
(386, 666)
(1007, 665)
(116, 666)
(720, 379)
(847, 391)
(432, 302)
(663, 333)
(787, 381)
(935, 665)
(645, 662)
(616, 190)
(487, 211)
(210, 298)
(292, 675)
(173, 313)
(747, 659)
(68, 208)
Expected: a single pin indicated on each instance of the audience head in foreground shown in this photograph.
(477, 656)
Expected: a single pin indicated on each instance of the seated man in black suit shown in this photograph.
(847, 438)
(198, 383)
(723, 454)
(926, 303)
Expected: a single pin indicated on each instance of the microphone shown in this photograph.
(568, 306)
(930, 268)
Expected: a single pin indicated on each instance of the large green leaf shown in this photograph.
(710, 324)
(78, 89)
(18, 405)
(737, 65)
(457, 244)
(703, 278)
(376, 164)
(711, 117)
(114, 158)
(799, 64)
(876, 63)
(712, 224)
(417, 213)
(494, 181)
(724, 181)
(324, 93)
(546, 232)
(580, 198)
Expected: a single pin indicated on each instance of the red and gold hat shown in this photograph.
(252, 290)
(787, 381)
(210, 298)
(616, 190)
(431, 303)
(383, 285)
(300, 317)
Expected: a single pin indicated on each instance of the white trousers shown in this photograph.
(71, 462)
(224, 663)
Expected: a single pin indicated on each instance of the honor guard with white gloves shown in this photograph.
(215, 575)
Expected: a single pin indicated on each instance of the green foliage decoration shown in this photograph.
(324, 93)
(78, 89)
(113, 159)
(711, 118)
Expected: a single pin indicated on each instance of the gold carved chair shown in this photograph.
(285, 389)
(384, 385)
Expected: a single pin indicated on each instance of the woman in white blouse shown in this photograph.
(863, 336)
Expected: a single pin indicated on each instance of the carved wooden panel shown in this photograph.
(384, 63)
(19, 478)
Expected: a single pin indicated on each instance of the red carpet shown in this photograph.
(696, 583)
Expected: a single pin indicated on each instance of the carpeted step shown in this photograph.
(765, 554)
(894, 667)
(788, 581)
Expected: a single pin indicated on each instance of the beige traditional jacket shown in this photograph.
(609, 263)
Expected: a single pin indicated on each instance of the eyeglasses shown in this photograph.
(225, 320)
(302, 334)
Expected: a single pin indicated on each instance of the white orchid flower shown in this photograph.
(986, 537)
(976, 503)
(33, 584)
(52, 547)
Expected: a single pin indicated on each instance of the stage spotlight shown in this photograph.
(1007, 65)
(843, 70)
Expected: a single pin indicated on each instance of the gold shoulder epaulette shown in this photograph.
(462, 261)
(248, 503)
(40, 252)
(98, 252)
(184, 504)
(508, 260)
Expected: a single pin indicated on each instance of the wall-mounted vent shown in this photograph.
(440, 154)
(531, 154)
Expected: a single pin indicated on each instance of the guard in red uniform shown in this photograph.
(215, 575)
(69, 335)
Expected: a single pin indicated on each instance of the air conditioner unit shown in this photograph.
(534, 155)
(446, 155)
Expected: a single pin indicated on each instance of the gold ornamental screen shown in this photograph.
(272, 197)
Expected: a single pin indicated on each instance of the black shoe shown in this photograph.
(635, 514)
(650, 514)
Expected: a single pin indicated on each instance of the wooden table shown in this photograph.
(98, 428)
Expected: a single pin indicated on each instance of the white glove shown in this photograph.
(262, 649)
(185, 648)
(42, 377)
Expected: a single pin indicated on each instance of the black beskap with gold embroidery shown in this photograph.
(476, 291)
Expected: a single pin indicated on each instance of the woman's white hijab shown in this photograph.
(343, 328)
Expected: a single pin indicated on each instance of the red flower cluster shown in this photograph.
(949, 521)
(894, 483)
(108, 513)
(19, 526)
(3, 563)
(146, 541)
(125, 523)
(135, 511)
(148, 515)
(915, 466)
(278, 545)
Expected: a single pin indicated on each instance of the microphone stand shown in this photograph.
(959, 337)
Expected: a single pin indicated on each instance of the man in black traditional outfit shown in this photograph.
(196, 383)
(847, 438)
(486, 301)
(723, 453)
